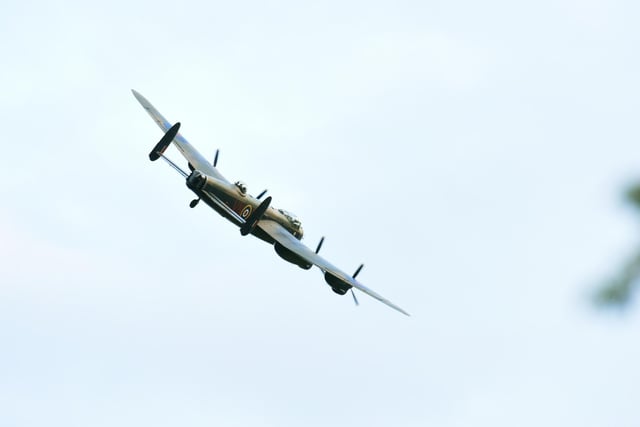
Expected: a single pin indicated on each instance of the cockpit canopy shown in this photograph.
(293, 220)
(291, 217)
(242, 187)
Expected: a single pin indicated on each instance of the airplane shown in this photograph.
(251, 214)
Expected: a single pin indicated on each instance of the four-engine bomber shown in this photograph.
(253, 215)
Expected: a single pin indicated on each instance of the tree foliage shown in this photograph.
(619, 290)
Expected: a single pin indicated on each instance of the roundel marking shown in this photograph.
(246, 211)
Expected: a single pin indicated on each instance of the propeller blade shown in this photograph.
(261, 194)
(357, 271)
(354, 276)
(194, 203)
(162, 145)
(354, 297)
(320, 244)
(215, 159)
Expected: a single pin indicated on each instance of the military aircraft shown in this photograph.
(251, 214)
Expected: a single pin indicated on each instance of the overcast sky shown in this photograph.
(471, 154)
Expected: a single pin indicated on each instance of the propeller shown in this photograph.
(357, 271)
(355, 300)
(261, 194)
(195, 202)
(354, 276)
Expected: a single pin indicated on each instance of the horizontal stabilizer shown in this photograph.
(164, 142)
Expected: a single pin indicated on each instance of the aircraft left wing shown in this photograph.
(286, 239)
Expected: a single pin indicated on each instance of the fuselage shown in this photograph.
(234, 203)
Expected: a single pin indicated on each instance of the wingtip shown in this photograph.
(395, 307)
(137, 95)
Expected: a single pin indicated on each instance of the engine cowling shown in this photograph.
(291, 257)
(338, 285)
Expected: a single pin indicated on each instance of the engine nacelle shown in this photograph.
(291, 257)
(199, 181)
(338, 285)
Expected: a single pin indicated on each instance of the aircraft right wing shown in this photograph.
(286, 239)
(191, 154)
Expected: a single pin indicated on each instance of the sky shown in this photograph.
(473, 156)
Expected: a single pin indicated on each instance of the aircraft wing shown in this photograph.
(286, 239)
(191, 154)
